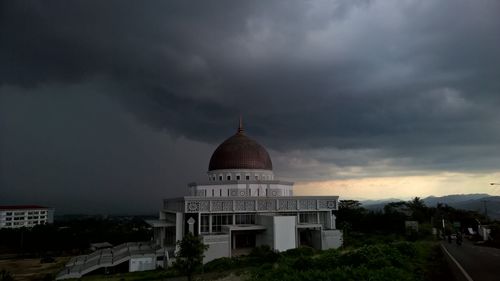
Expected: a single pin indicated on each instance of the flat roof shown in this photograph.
(245, 227)
(22, 207)
(309, 225)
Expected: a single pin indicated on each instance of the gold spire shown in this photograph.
(240, 127)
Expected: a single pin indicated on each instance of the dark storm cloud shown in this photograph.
(390, 85)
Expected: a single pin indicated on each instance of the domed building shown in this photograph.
(242, 205)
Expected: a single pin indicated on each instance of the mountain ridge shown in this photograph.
(479, 202)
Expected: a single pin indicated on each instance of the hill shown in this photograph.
(479, 202)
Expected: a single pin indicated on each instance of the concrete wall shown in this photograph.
(142, 263)
(280, 233)
(218, 247)
(266, 237)
(284, 232)
(331, 239)
(179, 228)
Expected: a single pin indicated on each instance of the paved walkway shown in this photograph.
(481, 263)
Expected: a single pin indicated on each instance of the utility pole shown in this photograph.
(485, 208)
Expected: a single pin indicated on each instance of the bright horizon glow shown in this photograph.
(403, 187)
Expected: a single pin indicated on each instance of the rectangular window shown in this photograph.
(244, 218)
(220, 192)
(238, 177)
(247, 177)
(220, 178)
(205, 223)
(218, 220)
(9, 213)
(308, 218)
(228, 178)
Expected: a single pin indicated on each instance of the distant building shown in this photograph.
(25, 216)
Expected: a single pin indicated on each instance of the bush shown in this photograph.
(223, 264)
(394, 261)
(373, 256)
(327, 259)
(406, 248)
(264, 254)
(6, 276)
(303, 251)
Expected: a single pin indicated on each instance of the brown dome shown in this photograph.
(240, 152)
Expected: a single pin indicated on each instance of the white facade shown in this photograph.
(241, 208)
(237, 209)
(142, 263)
(24, 216)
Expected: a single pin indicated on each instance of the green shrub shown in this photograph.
(222, 264)
(326, 259)
(6, 276)
(300, 251)
(263, 254)
(406, 248)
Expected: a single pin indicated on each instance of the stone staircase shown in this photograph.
(81, 265)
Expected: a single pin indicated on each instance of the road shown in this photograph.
(481, 263)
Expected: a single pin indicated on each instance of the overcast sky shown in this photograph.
(110, 106)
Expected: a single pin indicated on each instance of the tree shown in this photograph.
(190, 256)
(419, 209)
(5, 276)
(350, 204)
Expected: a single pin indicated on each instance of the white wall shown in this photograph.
(142, 263)
(218, 247)
(284, 233)
(331, 239)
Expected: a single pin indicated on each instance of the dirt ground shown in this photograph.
(31, 269)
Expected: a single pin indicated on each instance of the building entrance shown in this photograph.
(310, 237)
(305, 237)
(243, 239)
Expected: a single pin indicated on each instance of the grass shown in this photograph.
(32, 269)
(383, 257)
(157, 275)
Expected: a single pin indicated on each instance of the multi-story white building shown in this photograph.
(242, 205)
(25, 216)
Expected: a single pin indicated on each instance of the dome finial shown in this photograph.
(240, 127)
